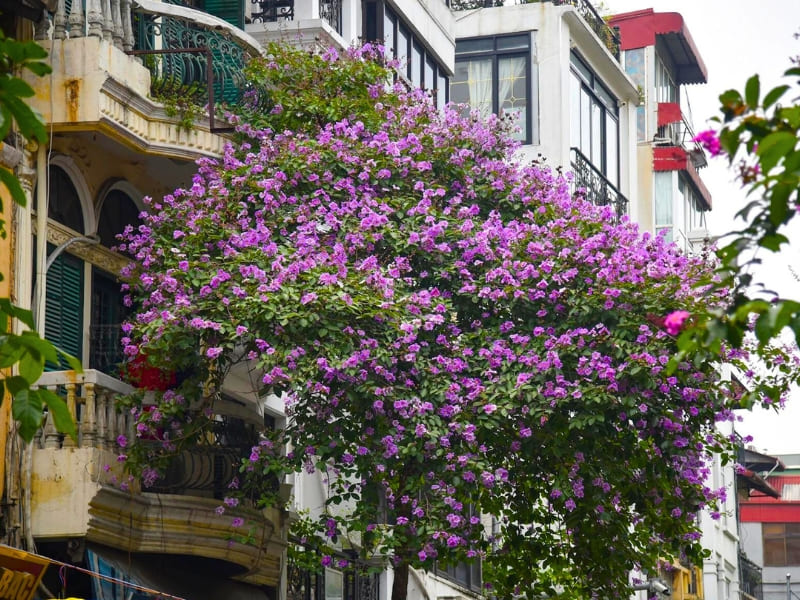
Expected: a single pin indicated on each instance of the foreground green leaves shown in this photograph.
(27, 352)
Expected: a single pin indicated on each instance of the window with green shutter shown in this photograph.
(64, 306)
(230, 10)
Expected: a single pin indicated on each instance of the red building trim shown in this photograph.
(669, 112)
(669, 158)
(640, 29)
(750, 512)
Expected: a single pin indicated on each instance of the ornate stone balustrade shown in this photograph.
(90, 397)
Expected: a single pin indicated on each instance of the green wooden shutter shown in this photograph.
(230, 10)
(64, 306)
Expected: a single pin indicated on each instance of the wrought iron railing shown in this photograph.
(750, 575)
(331, 11)
(357, 583)
(594, 187)
(208, 468)
(273, 11)
(179, 70)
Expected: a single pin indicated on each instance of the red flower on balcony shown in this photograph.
(141, 374)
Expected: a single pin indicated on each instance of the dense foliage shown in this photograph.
(473, 359)
(26, 353)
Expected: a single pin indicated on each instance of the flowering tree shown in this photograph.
(472, 358)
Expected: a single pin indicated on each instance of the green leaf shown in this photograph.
(27, 411)
(12, 184)
(773, 241)
(774, 95)
(752, 90)
(59, 411)
(31, 369)
(74, 363)
(29, 122)
(773, 147)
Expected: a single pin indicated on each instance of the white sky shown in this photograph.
(737, 38)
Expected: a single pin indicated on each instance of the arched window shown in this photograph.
(65, 203)
(65, 281)
(118, 211)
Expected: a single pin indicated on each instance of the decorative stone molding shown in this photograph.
(189, 525)
(97, 255)
(10, 157)
(146, 125)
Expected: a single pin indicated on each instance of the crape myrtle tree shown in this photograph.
(473, 359)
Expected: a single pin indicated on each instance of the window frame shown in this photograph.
(784, 537)
(495, 53)
(379, 13)
(600, 96)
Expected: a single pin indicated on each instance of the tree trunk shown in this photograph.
(400, 582)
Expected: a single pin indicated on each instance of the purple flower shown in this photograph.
(710, 141)
(122, 441)
(213, 352)
(237, 522)
(674, 321)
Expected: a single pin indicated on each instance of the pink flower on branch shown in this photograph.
(674, 321)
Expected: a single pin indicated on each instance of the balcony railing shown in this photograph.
(273, 11)
(178, 41)
(750, 579)
(594, 187)
(90, 398)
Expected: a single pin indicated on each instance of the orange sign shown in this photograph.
(20, 573)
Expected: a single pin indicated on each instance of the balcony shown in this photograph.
(750, 579)
(180, 54)
(273, 11)
(675, 150)
(593, 186)
(321, 23)
(71, 495)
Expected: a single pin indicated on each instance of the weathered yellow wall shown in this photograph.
(5, 292)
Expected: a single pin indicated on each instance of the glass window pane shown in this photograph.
(574, 111)
(512, 94)
(597, 135)
(509, 42)
(612, 135)
(606, 97)
(334, 585)
(416, 65)
(389, 23)
(472, 83)
(663, 199)
(430, 69)
(403, 37)
(586, 135)
(441, 90)
(477, 45)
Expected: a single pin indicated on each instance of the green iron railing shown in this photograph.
(189, 62)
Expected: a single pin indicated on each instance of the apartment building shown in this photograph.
(661, 58)
(556, 67)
